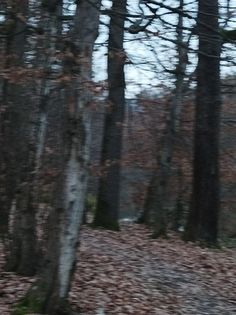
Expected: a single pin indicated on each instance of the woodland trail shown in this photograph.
(126, 273)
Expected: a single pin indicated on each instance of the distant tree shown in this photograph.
(202, 223)
(107, 212)
(155, 211)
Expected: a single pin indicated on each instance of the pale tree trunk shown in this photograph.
(51, 290)
(107, 212)
(202, 223)
(157, 197)
(76, 172)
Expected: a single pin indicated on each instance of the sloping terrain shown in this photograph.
(129, 273)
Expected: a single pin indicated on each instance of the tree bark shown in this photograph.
(4, 198)
(17, 147)
(23, 249)
(203, 218)
(107, 212)
(11, 113)
(157, 197)
(49, 294)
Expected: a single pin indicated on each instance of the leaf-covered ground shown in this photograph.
(129, 273)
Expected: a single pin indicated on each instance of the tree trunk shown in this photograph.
(11, 111)
(49, 294)
(18, 145)
(203, 218)
(156, 203)
(107, 212)
(23, 247)
(5, 199)
(179, 213)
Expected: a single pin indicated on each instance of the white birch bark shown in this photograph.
(65, 217)
(76, 175)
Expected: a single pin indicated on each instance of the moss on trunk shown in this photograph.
(36, 301)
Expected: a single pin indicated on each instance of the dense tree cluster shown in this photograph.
(49, 90)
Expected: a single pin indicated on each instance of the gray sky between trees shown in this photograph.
(148, 55)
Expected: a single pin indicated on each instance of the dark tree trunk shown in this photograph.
(11, 113)
(17, 148)
(107, 212)
(23, 248)
(155, 211)
(4, 197)
(203, 218)
(179, 213)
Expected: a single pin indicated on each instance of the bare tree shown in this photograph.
(203, 219)
(157, 198)
(18, 145)
(107, 212)
(49, 294)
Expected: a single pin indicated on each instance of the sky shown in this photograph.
(146, 54)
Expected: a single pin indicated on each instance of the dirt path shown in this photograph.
(127, 273)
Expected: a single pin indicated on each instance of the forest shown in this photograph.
(117, 157)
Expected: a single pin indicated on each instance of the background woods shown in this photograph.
(111, 112)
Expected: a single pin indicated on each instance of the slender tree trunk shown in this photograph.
(4, 198)
(49, 294)
(203, 218)
(11, 111)
(157, 197)
(18, 145)
(179, 213)
(23, 248)
(107, 212)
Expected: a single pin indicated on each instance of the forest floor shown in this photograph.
(128, 273)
